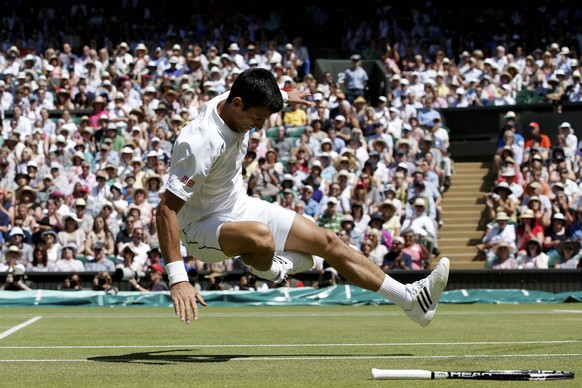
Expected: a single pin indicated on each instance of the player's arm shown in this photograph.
(183, 294)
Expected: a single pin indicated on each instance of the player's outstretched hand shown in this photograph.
(296, 96)
(185, 297)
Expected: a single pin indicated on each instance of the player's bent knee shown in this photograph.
(261, 240)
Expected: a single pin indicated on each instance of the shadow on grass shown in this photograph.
(164, 357)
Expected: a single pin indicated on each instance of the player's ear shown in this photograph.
(237, 103)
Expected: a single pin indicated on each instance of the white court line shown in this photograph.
(220, 346)
(208, 314)
(16, 328)
(399, 357)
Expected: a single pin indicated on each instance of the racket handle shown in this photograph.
(378, 374)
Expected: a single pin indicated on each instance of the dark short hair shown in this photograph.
(257, 87)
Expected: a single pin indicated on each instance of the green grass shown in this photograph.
(283, 346)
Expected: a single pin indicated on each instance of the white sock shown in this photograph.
(271, 274)
(395, 291)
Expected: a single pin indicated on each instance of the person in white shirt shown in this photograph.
(205, 207)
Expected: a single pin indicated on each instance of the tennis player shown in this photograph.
(205, 206)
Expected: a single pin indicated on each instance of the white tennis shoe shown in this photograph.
(292, 262)
(427, 292)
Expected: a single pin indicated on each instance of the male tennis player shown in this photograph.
(206, 207)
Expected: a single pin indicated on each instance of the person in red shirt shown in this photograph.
(537, 139)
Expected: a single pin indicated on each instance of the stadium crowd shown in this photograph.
(80, 193)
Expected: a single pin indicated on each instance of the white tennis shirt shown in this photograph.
(206, 166)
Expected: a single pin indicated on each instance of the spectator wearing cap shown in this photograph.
(534, 137)
(329, 218)
(99, 261)
(355, 79)
(68, 261)
(154, 281)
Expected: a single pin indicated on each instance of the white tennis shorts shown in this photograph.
(201, 239)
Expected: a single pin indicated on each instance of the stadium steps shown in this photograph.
(463, 208)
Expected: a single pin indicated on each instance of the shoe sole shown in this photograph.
(430, 312)
(446, 263)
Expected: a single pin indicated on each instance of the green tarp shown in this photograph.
(336, 295)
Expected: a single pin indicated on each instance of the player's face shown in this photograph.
(245, 120)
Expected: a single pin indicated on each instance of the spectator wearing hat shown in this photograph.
(568, 255)
(126, 258)
(499, 231)
(51, 246)
(153, 185)
(511, 124)
(12, 255)
(503, 258)
(113, 138)
(568, 139)
(21, 239)
(557, 232)
(68, 261)
(501, 198)
(528, 227)
(72, 233)
(421, 220)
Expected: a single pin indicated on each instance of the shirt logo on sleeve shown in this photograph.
(187, 181)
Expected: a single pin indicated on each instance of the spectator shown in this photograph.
(103, 282)
(528, 228)
(72, 233)
(568, 255)
(499, 231)
(40, 262)
(153, 280)
(415, 249)
(68, 261)
(396, 258)
(16, 281)
(99, 262)
(533, 257)
(503, 258)
(355, 79)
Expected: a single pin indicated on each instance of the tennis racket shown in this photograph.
(399, 374)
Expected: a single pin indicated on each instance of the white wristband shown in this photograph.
(284, 95)
(176, 272)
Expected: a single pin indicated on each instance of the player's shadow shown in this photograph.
(164, 357)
